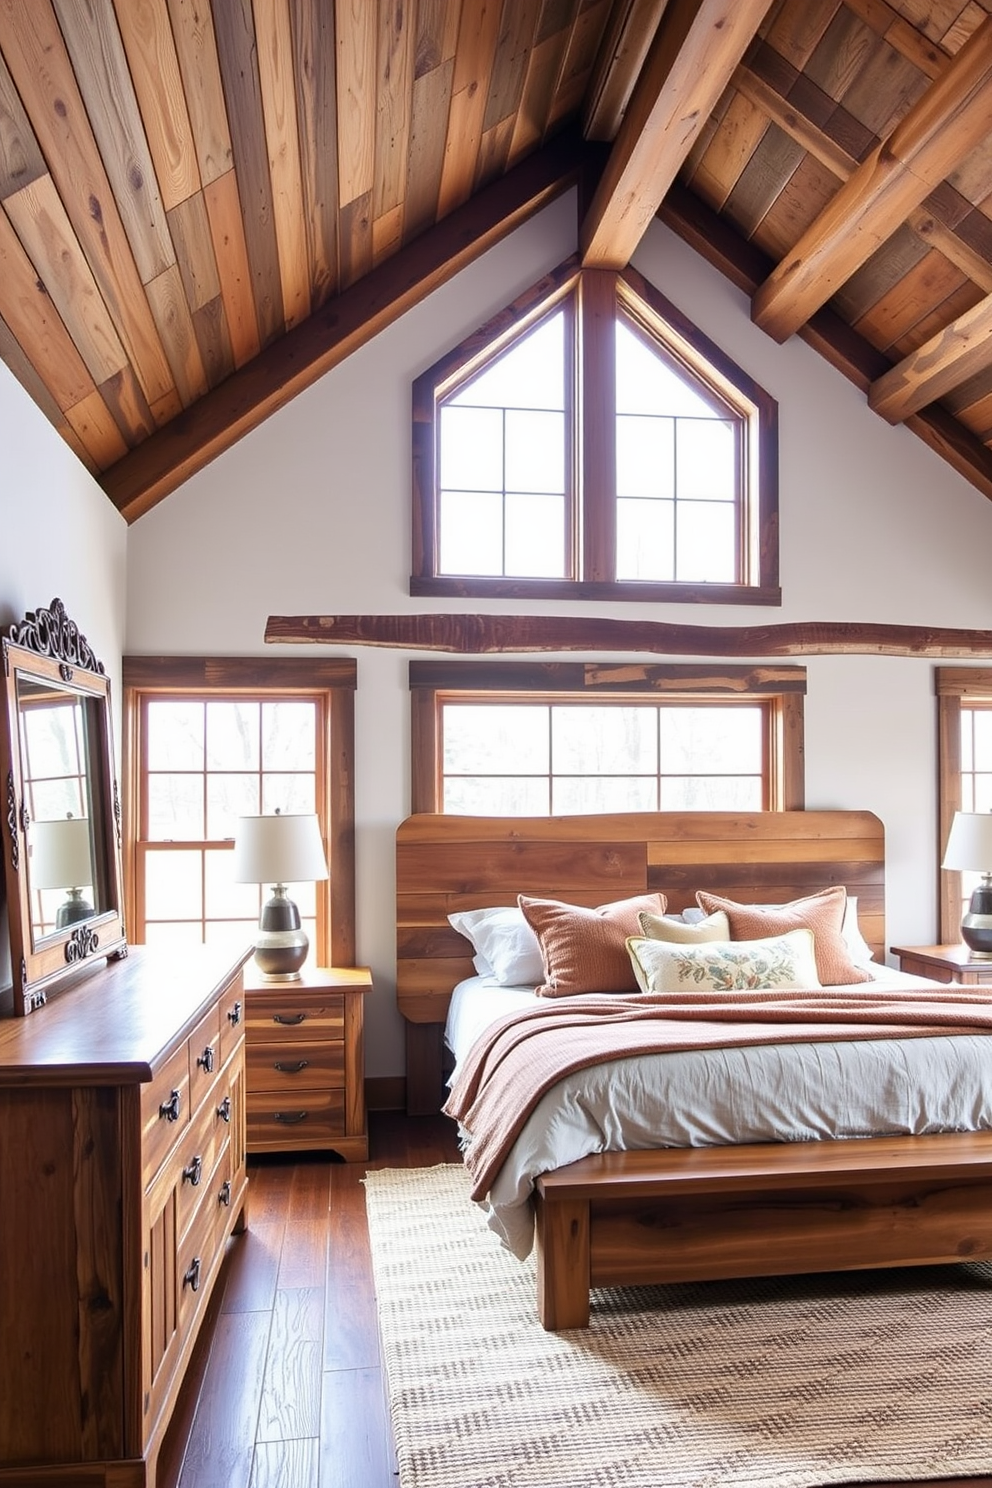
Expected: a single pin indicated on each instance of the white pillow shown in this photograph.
(779, 963)
(858, 948)
(504, 942)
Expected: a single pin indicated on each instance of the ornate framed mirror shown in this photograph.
(61, 817)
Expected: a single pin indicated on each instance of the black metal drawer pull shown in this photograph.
(192, 1277)
(285, 1068)
(170, 1108)
(224, 1197)
(194, 1172)
(205, 1060)
(289, 1020)
(290, 1118)
(224, 1109)
(234, 1015)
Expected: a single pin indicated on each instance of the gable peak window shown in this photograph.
(590, 442)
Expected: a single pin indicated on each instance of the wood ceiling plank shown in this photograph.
(897, 257)
(531, 122)
(227, 231)
(355, 47)
(626, 41)
(803, 196)
(494, 152)
(196, 50)
(706, 136)
(123, 395)
(387, 234)
(428, 132)
(166, 409)
(957, 352)
(933, 17)
(13, 355)
(961, 299)
(214, 340)
(97, 52)
(394, 107)
(579, 60)
(35, 323)
(892, 316)
(923, 52)
(355, 239)
(313, 39)
(146, 31)
(935, 135)
(32, 45)
(763, 179)
(275, 71)
(436, 34)
(798, 27)
(235, 32)
(163, 462)
(957, 34)
(971, 264)
(794, 122)
(692, 59)
(973, 176)
(172, 316)
(190, 228)
(94, 426)
(884, 93)
(82, 454)
(517, 31)
(743, 127)
(470, 83)
(21, 159)
(46, 233)
(841, 54)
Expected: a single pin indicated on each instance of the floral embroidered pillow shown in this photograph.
(783, 963)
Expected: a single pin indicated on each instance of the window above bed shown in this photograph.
(589, 442)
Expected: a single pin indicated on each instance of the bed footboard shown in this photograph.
(691, 1214)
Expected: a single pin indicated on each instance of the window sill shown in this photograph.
(627, 590)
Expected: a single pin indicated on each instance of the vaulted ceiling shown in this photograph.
(208, 203)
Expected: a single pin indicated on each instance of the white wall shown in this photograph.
(311, 514)
(61, 539)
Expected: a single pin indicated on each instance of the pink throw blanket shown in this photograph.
(519, 1057)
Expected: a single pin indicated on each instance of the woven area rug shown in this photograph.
(782, 1383)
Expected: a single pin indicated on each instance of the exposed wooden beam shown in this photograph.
(292, 363)
(945, 361)
(692, 58)
(746, 266)
(941, 128)
(626, 42)
(475, 635)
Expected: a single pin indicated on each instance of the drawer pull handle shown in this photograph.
(286, 1068)
(194, 1172)
(224, 1109)
(205, 1060)
(290, 1118)
(224, 1197)
(288, 1020)
(234, 1015)
(191, 1278)
(170, 1108)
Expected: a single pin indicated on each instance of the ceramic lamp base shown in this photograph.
(281, 944)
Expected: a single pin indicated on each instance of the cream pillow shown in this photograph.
(677, 932)
(780, 963)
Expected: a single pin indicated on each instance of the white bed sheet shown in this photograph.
(707, 1097)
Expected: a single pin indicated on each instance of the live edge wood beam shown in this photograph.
(941, 128)
(295, 361)
(692, 58)
(476, 635)
(944, 362)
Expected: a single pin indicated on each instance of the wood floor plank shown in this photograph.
(292, 1464)
(222, 1439)
(351, 1338)
(355, 1439)
(290, 1408)
(251, 1270)
(304, 1248)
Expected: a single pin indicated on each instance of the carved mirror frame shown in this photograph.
(47, 651)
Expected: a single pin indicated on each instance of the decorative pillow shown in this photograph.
(860, 951)
(506, 947)
(585, 950)
(784, 962)
(678, 932)
(823, 913)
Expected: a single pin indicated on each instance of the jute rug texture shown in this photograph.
(784, 1383)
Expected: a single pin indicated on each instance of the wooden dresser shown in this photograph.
(306, 1062)
(122, 1175)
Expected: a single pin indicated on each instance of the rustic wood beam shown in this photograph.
(295, 361)
(692, 58)
(945, 361)
(476, 635)
(946, 123)
(626, 43)
(746, 265)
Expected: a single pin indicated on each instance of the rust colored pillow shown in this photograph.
(823, 913)
(585, 950)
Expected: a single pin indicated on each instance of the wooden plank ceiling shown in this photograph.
(207, 203)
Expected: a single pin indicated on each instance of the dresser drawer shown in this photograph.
(200, 1149)
(165, 1108)
(204, 1057)
(288, 1014)
(198, 1250)
(293, 1064)
(231, 1011)
(294, 1118)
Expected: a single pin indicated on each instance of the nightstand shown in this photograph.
(305, 1061)
(944, 963)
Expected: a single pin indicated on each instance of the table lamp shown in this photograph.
(279, 850)
(62, 858)
(969, 850)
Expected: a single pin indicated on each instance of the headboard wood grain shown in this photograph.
(444, 863)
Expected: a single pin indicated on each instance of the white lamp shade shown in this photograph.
(278, 850)
(969, 842)
(61, 854)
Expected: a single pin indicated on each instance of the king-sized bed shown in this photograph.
(825, 1149)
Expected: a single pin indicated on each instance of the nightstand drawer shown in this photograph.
(307, 1117)
(287, 1013)
(286, 1065)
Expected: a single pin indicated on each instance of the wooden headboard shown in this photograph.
(444, 863)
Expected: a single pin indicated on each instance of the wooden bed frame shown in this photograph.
(686, 1213)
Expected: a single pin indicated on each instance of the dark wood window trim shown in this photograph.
(334, 681)
(785, 686)
(600, 294)
(954, 686)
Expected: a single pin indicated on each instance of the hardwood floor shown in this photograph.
(286, 1387)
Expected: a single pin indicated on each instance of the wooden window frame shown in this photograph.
(431, 682)
(598, 296)
(954, 686)
(333, 681)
